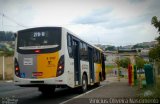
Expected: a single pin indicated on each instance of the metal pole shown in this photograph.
(3, 69)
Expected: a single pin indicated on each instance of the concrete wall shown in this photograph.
(8, 67)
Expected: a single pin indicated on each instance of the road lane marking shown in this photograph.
(81, 95)
(9, 81)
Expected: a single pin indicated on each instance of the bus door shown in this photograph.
(91, 64)
(76, 62)
(103, 66)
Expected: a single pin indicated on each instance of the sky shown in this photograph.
(107, 22)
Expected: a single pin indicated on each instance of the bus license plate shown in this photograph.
(37, 74)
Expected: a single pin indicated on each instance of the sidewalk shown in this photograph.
(111, 88)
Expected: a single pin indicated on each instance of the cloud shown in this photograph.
(118, 17)
(98, 16)
(17, 12)
(97, 21)
(119, 25)
(136, 1)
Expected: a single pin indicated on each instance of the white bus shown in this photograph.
(51, 57)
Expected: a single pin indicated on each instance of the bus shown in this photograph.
(52, 57)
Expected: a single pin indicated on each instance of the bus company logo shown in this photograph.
(51, 58)
(50, 61)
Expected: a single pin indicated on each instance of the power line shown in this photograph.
(7, 17)
(10, 26)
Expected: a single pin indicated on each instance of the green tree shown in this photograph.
(111, 48)
(154, 53)
(140, 62)
(156, 24)
(124, 62)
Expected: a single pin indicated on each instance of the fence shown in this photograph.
(6, 68)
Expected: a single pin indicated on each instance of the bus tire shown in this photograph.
(97, 84)
(84, 86)
(47, 90)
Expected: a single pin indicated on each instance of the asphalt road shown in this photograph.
(11, 93)
(110, 88)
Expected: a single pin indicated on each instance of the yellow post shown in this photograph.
(132, 75)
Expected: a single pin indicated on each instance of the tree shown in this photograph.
(154, 53)
(156, 24)
(124, 62)
(6, 36)
(140, 62)
(111, 48)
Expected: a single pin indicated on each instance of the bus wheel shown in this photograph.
(47, 90)
(97, 84)
(84, 84)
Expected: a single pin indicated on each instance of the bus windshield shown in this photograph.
(41, 39)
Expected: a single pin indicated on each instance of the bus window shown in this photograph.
(44, 39)
(69, 44)
(81, 50)
(84, 51)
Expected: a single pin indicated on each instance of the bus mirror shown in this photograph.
(104, 58)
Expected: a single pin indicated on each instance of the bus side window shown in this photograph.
(69, 44)
(85, 51)
(81, 51)
(99, 57)
(95, 56)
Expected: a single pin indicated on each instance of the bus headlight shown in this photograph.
(60, 68)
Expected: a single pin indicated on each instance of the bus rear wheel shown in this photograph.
(84, 86)
(47, 90)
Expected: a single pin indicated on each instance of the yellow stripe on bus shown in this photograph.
(47, 64)
(98, 70)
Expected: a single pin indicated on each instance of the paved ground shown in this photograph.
(111, 89)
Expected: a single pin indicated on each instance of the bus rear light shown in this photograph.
(37, 51)
(60, 68)
(16, 67)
